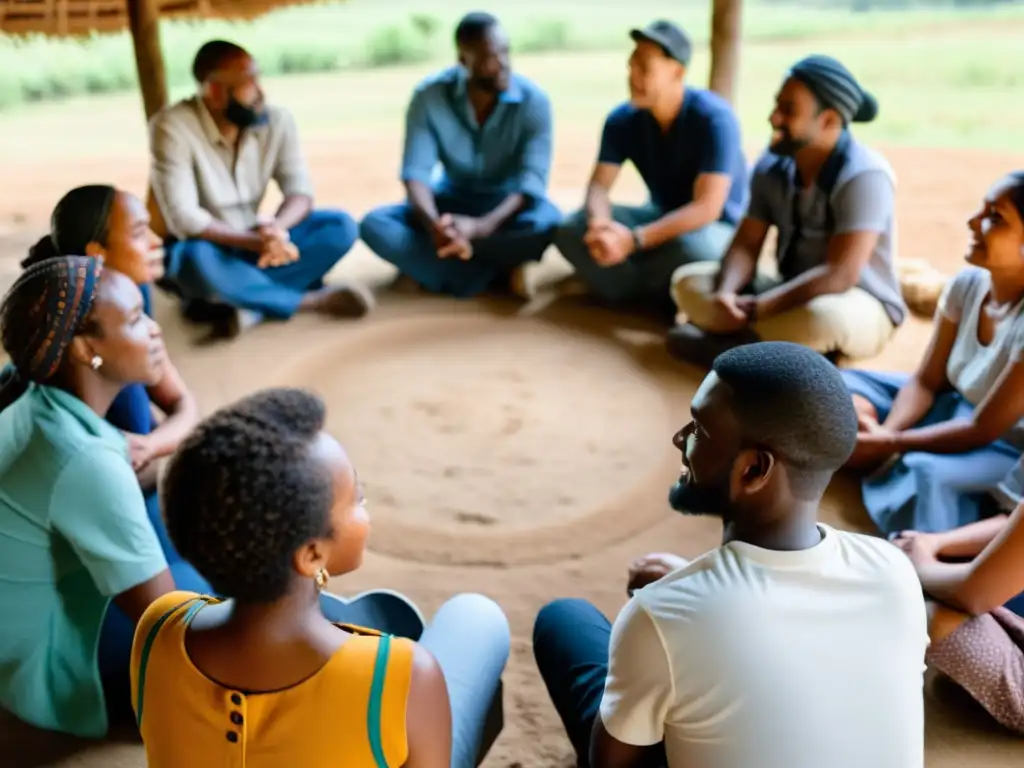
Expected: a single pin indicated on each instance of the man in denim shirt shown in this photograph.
(490, 131)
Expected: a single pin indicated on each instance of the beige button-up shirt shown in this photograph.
(198, 177)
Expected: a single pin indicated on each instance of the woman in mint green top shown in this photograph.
(75, 539)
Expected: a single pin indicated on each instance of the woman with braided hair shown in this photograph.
(267, 506)
(79, 558)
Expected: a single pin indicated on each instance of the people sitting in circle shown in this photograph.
(830, 198)
(212, 158)
(941, 441)
(268, 507)
(685, 142)
(80, 560)
(489, 130)
(974, 576)
(112, 224)
(764, 650)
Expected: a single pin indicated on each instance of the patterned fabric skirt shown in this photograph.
(985, 657)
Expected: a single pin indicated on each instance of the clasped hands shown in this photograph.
(277, 248)
(609, 241)
(453, 235)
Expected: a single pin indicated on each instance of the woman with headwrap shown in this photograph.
(79, 558)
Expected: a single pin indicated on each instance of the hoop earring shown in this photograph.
(321, 579)
(96, 362)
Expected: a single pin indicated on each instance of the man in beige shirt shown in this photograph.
(212, 158)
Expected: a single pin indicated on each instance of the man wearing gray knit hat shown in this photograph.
(831, 200)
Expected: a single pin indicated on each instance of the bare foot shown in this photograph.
(340, 301)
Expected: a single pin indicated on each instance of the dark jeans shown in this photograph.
(395, 234)
(201, 271)
(570, 644)
(115, 648)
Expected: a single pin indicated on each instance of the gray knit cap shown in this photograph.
(836, 88)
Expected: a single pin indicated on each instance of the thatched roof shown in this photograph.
(80, 17)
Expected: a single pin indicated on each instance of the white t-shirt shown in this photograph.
(754, 658)
(973, 369)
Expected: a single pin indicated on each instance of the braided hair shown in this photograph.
(243, 493)
(48, 305)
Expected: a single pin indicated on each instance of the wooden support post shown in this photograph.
(144, 21)
(726, 23)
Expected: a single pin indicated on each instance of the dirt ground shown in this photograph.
(520, 451)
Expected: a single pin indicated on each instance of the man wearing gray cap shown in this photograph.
(685, 143)
(831, 199)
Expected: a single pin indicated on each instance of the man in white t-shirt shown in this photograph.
(793, 645)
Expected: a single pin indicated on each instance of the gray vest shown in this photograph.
(805, 220)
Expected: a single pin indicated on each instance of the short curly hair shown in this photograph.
(243, 492)
(795, 402)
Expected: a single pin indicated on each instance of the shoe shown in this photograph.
(349, 301)
(688, 343)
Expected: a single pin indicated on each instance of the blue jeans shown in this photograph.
(201, 271)
(570, 645)
(929, 492)
(643, 276)
(395, 234)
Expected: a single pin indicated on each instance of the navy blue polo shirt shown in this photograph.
(704, 138)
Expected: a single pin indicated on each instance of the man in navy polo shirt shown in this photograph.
(685, 143)
(490, 131)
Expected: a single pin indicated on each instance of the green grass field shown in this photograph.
(907, 53)
(942, 79)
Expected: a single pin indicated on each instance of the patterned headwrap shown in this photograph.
(44, 310)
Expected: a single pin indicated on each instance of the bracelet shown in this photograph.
(637, 242)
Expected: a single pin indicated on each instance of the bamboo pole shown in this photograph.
(144, 22)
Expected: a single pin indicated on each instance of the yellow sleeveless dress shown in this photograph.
(350, 714)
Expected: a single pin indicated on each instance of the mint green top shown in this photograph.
(73, 533)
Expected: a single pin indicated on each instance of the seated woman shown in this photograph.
(948, 434)
(79, 559)
(976, 575)
(105, 222)
(268, 507)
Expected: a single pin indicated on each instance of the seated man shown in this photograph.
(685, 142)
(490, 130)
(213, 156)
(831, 200)
(793, 645)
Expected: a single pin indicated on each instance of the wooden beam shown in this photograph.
(144, 22)
(726, 33)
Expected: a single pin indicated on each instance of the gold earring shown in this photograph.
(321, 579)
(96, 362)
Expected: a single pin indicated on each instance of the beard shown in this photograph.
(787, 145)
(689, 498)
(493, 85)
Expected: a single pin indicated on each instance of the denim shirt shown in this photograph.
(509, 153)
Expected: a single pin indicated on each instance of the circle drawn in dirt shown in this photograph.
(493, 441)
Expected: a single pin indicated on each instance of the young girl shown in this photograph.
(943, 438)
(267, 506)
